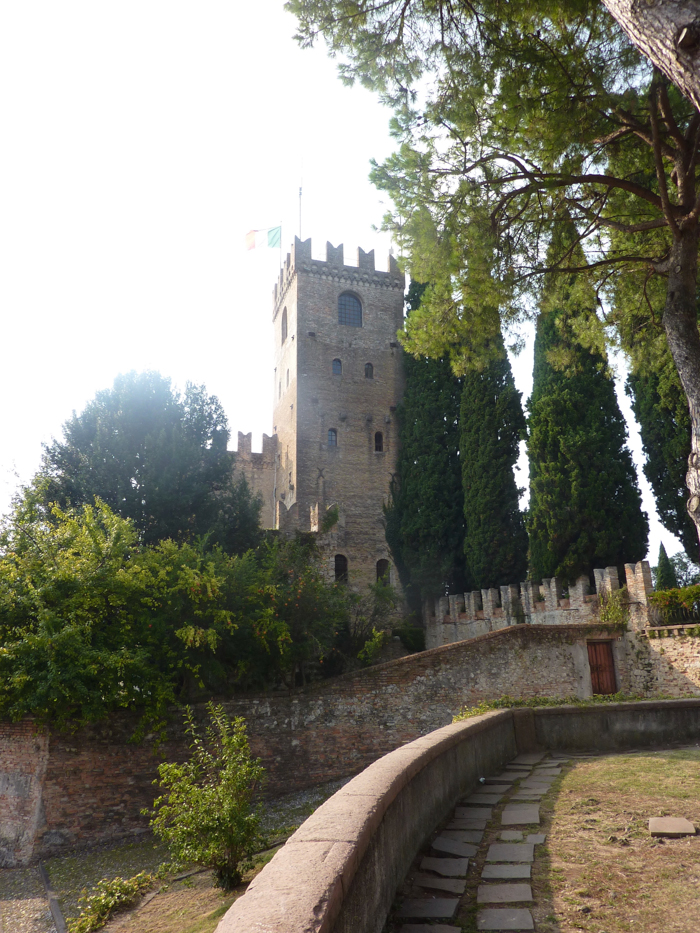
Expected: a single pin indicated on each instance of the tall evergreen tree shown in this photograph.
(665, 572)
(424, 519)
(585, 505)
(491, 426)
(661, 409)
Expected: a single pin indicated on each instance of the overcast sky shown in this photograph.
(141, 141)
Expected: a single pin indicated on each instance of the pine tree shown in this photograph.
(424, 519)
(665, 572)
(661, 409)
(585, 505)
(491, 426)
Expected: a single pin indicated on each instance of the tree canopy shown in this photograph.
(504, 114)
(156, 457)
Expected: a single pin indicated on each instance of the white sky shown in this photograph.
(141, 141)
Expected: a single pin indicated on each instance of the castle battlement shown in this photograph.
(461, 616)
(335, 269)
(245, 453)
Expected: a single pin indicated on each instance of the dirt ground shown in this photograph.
(600, 870)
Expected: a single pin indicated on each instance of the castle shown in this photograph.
(337, 381)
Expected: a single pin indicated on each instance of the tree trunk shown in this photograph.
(668, 33)
(680, 322)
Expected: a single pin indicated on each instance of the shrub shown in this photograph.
(108, 897)
(207, 816)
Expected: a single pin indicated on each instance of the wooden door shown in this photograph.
(600, 659)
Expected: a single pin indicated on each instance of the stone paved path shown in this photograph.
(503, 896)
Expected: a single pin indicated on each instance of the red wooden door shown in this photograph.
(600, 659)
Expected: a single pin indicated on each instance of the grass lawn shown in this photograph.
(600, 871)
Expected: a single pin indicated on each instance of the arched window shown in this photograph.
(378, 442)
(349, 310)
(369, 371)
(382, 571)
(284, 325)
(341, 568)
(337, 368)
(332, 437)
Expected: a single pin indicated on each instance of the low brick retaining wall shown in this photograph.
(339, 872)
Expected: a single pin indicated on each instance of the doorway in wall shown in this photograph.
(600, 659)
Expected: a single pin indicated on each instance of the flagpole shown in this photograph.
(299, 211)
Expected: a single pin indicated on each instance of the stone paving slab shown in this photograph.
(511, 835)
(510, 852)
(428, 907)
(529, 758)
(503, 893)
(463, 835)
(452, 847)
(514, 769)
(534, 788)
(509, 776)
(536, 838)
(527, 795)
(549, 772)
(494, 788)
(495, 918)
(447, 867)
(672, 826)
(429, 928)
(472, 813)
(467, 824)
(498, 872)
(519, 813)
(453, 885)
(538, 779)
(476, 799)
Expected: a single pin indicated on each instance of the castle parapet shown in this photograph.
(460, 616)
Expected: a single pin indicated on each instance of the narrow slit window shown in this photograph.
(284, 325)
(337, 368)
(341, 568)
(378, 442)
(369, 371)
(349, 310)
(332, 437)
(382, 571)
(287, 378)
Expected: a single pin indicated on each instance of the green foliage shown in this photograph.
(673, 600)
(330, 519)
(425, 519)
(206, 814)
(412, 636)
(614, 609)
(491, 426)
(687, 573)
(509, 702)
(108, 898)
(665, 576)
(157, 458)
(585, 504)
(372, 648)
(661, 410)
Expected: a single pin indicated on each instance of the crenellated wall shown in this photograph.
(461, 616)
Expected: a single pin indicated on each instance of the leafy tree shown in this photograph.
(206, 815)
(491, 426)
(661, 410)
(665, 574)
(687, 573)
(157, 458)
(91, 623)
(585, 505)
(425, 517)
(504, 113)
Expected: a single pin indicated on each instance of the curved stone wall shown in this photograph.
(339, 872)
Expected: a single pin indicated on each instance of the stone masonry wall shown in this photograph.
(90, 786)
(455, 618)
(23, 759)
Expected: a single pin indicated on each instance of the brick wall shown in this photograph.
(94, 783)
(23, 759)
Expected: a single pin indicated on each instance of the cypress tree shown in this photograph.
(661, 409)
(585, 504)
(424, 518)
(665, 572)
(491, 426)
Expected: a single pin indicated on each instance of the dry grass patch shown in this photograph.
(600, 871)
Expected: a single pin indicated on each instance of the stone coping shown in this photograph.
(302, 888)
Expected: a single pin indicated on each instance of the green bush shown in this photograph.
(206, 815)
(108, 898)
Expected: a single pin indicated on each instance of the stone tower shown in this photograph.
(338, 379)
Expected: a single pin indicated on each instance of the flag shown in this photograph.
(257, 238)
